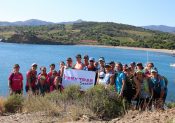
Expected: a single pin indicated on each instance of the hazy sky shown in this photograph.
(133, 12)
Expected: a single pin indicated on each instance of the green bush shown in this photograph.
(104, 102)
(97, 102)
(171, 105)
(14, 103)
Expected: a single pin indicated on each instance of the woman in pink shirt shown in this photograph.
(16, 81)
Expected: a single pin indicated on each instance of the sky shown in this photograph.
(132, 12)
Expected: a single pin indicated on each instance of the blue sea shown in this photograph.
(44, 55)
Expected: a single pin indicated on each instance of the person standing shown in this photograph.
(31, 79)
(43, 72)
(79, 65)
(16, 81)
(158, 87)
(52, 68)
(86, 60)
(69, 63)
(120, 79)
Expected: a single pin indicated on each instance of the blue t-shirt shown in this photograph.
(157, 84)
(118, 80)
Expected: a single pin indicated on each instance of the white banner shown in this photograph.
(85, 79)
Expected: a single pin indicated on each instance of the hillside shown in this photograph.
(96, 33)
(162, 28)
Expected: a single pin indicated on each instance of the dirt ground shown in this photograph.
(167, 116)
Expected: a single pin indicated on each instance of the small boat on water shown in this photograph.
(172, 65)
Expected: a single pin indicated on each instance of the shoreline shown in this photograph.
(171, 52)
(166, 51)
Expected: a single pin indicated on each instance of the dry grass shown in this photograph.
(1, 105)
(40, 103)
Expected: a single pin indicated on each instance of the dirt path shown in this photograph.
(167, 116)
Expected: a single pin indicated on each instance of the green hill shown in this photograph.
(96, 33)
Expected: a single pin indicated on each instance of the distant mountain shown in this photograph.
(72, 22)
(35, 22)
(162, 28)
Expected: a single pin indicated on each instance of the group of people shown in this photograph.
(134, 82)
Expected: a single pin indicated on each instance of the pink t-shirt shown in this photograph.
(16, 81)
(49, 74)
(33, 78)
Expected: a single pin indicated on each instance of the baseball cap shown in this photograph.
(154, 70)
(69, 59)
(112, 62)
(16, 66)
(34, 65)
(139, 71)
(91, 59)
(139, 64)
(52, 64)
(86, 57)
(78, 56)
(107, 65)
(102, 59)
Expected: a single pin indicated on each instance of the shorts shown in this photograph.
(33, 89)
(17, 92)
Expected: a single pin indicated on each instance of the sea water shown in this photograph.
(44, 55)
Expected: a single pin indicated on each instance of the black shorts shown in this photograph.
(33, 89)
(156, 96)
(17, 92)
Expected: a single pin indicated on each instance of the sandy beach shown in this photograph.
(136, 48)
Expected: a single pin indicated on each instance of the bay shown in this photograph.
(44, 55)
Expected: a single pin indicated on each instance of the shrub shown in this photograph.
(171, 105)
(1, 105)
(98, 102)
(13, 103)
(104, 102)
(40, 103)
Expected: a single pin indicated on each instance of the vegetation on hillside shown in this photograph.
(97, 102)
(98, 33)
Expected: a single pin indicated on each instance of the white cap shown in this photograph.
(34, 64)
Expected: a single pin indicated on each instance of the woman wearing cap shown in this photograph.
(31, 79)
(79, 65)
(108, 78)
(91, 66)
(158, 88)
(16, 81)
(86, 60)
(101, 70)
(69, 63)
(145, 91)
